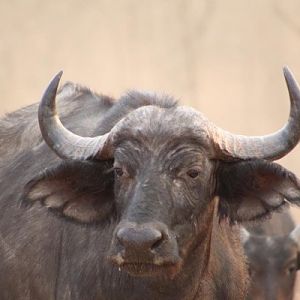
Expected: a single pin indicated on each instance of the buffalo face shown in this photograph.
(161, 195)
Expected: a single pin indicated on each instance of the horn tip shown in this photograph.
(286, 71)
(48, 98)
(55, 81)
(53, 85)
(291, 81)
(288, 74)
(58, 75)
(290, 78)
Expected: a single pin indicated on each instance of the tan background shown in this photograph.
(222, 57)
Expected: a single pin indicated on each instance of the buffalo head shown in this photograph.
(273, 264)
(155, 174)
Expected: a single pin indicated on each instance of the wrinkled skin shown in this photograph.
(272, 258)
(155, 222)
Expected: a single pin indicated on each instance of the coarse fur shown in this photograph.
(60, 221)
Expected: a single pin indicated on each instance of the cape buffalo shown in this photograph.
(272, 248)
(132, 199)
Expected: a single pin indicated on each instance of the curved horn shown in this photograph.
(62, 141)
(270, 147)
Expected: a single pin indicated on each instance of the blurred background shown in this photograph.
(224, 58)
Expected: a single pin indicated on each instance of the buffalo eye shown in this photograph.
(292, 269)
(119, 172)
(193, 173)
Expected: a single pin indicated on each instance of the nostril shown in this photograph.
(139, 238)
(157, 243)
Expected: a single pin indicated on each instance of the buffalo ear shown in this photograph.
(252, 189)
(82, 191)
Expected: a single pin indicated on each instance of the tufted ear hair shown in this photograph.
(295, 236)
(79, 190)
(244, 235)
(250, 190)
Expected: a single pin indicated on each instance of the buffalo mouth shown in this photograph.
(146, 269)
